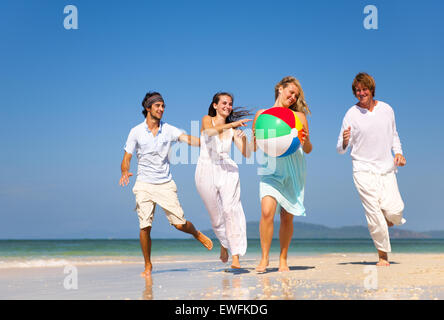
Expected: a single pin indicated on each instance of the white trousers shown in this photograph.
(219, 188)
(382, 202)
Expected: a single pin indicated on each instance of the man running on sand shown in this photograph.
(369, 131)
(154, 184)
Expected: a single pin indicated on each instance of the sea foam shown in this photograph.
(58, 262)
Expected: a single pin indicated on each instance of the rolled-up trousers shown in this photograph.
(382, 202)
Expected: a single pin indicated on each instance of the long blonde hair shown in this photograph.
(300, 105)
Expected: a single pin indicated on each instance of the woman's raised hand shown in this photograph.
(240, 123)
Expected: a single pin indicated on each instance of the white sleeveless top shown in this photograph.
(215, 149)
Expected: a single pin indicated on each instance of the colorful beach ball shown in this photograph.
(278, 132)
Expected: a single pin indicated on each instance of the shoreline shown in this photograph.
(14, 262)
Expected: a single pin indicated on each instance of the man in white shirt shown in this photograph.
(369, 131)
(151, 140)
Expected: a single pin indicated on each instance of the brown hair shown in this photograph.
(300, 105)
(366, 80)
(236, 113)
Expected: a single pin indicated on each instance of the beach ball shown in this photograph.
(278, 132)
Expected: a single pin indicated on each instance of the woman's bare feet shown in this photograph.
(263, 264)
(223, 254)
(235, 264)
(147, 271)
(283, 266)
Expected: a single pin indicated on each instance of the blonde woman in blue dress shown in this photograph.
(282, 189)
(217, 175)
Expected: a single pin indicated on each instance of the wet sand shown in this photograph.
(330, 276)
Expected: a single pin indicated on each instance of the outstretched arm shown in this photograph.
(190, 140)
(210, 130)
(241, 142)
(124, 167)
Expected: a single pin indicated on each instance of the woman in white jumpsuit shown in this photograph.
(217, 175)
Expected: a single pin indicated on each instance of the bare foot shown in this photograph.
(262, 267)
(283, 267)
(204, 240)
(235, 264)
(383, 259)
(383, 263)
(147, 272)
(223, 254)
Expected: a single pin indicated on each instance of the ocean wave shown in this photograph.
(58, 262)
(23, 263)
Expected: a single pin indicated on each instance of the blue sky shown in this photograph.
(70, 97)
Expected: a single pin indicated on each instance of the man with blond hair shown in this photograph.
(151, 140)
(369, 131)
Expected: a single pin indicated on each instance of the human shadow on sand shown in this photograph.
(175, 270)
(238, 271)
(363, 263)
(293, 268)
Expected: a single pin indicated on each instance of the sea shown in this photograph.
(55, 253)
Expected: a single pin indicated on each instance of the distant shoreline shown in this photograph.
(302, 231)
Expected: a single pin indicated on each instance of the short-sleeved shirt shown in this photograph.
(152, 151)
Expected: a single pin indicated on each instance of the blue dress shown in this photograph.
(284, 179)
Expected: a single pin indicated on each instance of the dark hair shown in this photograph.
(236, 113)
(144, 101)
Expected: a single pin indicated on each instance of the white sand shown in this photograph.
(331, 276)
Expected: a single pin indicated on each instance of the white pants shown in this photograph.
(382, 202)
(219, 188)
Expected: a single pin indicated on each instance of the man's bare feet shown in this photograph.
(262, 267)
(235, 264)
(223, 254)
(204, 240)
(147, 271)
(383, 259)
(383, 263)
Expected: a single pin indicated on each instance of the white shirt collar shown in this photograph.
(145, 125)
